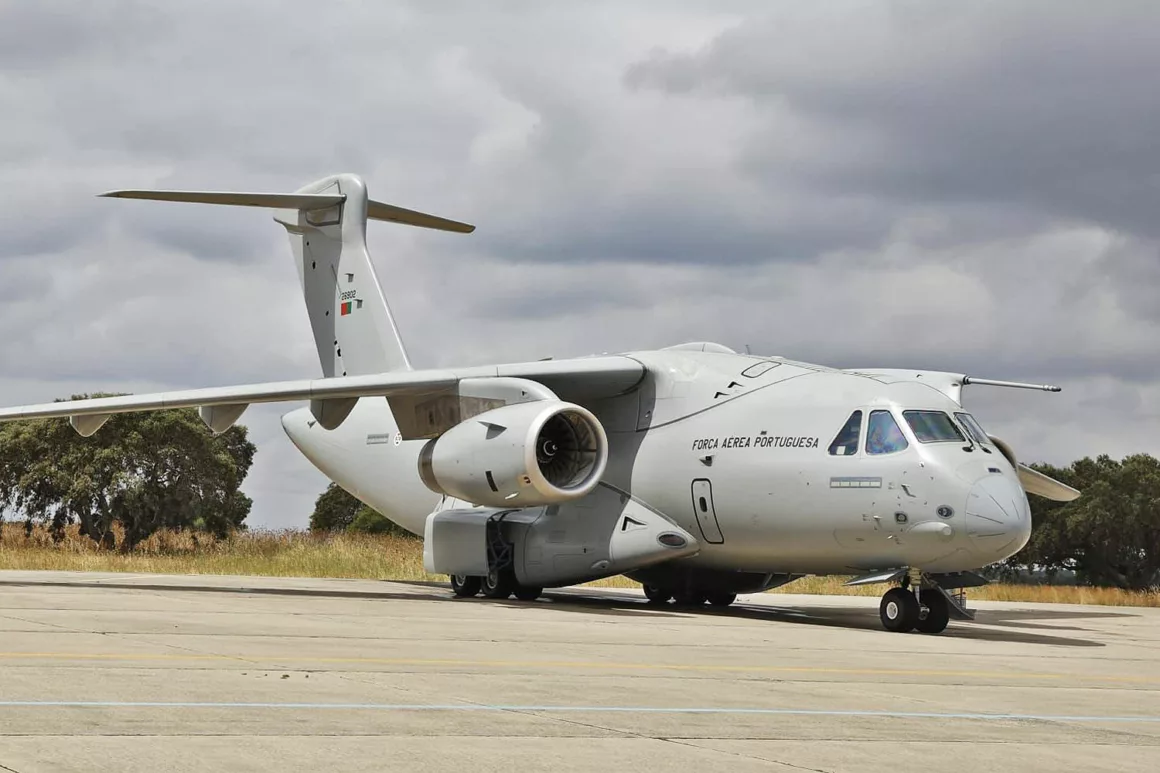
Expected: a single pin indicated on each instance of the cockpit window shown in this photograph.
(933, 427)
(846, 443)
(883, 436)
(973, 426)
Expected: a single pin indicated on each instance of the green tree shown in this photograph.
(334, 510)
(370, 521)
(338, 510)
(1110, 536)
(145, 471)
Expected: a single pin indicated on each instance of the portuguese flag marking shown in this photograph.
(346, 308)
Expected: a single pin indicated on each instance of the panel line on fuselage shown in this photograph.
(755, 390)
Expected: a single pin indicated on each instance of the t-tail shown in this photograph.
(353, 327)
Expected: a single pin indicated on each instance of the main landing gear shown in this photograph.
(919, 604)
(500, 581)
(688, 597)
(496, 585)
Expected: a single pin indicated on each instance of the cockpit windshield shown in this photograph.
(883, 435)
(972, 425)
(933, 427)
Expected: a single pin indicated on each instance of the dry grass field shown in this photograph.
(301, 554)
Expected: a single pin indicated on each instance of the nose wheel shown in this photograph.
(899, 610)
(938, 612)
(903, 609)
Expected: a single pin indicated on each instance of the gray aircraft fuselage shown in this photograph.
(735, 449)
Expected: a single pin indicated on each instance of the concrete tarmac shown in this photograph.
(117, 672)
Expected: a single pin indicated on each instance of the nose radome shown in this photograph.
(998, 517)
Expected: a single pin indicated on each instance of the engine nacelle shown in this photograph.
(536, 453)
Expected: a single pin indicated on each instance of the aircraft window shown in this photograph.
(933, 427)
(973, 426)
(753, 371)
(883, 435)
(846, 443)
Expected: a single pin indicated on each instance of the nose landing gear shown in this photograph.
(920, 604)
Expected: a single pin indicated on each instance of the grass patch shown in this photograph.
(389, 557)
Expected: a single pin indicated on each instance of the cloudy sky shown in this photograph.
(962, 186)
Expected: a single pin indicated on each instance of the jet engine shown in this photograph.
(522, 455)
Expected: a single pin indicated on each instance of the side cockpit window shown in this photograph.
(883, 435)
(846, 443)
(933, 427)
(973, 427)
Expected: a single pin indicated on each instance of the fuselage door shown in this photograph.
(706, 515)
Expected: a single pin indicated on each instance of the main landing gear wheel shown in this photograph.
(527, 593)
(498, 585)
(722, 599)
(689, 598)
(898, 610)
(465, 586)
(938, 612)
(657, 595)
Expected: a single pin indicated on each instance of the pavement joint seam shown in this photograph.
(1146, 741)
(194, 654)
(742, 755)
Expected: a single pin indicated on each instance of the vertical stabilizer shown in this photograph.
(353, 327)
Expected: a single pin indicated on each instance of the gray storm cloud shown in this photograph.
(970, 187)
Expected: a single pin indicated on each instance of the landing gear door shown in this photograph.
(706, 514)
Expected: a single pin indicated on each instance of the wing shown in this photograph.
(1035, 482)
(332, 399)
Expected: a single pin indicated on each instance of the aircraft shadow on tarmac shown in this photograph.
(853, 617)
(626, 605)
(862, 618)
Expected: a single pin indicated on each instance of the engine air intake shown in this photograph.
(521, 455)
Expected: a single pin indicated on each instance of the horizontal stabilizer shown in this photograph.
(1035, 482)
(376, 210)
(307, 201)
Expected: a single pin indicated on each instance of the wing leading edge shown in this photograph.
(332, 399)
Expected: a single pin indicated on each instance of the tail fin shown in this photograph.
(353, 327)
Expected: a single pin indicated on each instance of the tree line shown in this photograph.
(1109, 536)
(165, 470)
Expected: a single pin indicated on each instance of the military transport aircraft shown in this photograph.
(695, 470)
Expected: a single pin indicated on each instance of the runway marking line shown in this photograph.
(570, 664)
(578, 709)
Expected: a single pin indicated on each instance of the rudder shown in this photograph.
(353, 327)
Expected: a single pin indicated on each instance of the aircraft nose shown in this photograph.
(998, 517)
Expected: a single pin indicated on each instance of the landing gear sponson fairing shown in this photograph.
(697, 471)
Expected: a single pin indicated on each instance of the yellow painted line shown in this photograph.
(589, 665)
